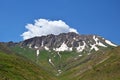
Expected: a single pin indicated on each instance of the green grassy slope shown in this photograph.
(60, 63)
(106, 70)
(101, 66)
(14, 67)
(41, 60)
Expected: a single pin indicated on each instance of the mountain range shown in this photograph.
(66, 56)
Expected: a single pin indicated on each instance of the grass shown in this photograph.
(43, 58)
(15, 67)
(101, 65)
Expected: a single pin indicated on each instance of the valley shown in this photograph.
(86, 57)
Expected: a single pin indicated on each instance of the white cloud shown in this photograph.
(44, 27)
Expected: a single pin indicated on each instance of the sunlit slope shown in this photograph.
(14, 67)
(101, 66)
(97, 65)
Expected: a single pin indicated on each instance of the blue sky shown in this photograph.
(101, 17)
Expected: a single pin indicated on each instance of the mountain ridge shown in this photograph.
(67, 42)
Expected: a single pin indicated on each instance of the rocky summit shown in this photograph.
(67, 42)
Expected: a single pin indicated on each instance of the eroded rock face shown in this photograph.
(67, 42)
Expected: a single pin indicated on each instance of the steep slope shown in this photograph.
(67, 42)
(100, 66)
(106, 70)
(16, 67)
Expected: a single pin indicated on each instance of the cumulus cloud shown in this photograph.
(44, 27)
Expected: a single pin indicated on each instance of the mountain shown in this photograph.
(16, 67)
(57, 51)
(70, 56)
(67, 42)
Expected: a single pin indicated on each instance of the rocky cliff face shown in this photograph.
(67, 42)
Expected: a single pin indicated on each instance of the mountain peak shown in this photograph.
(68, 42)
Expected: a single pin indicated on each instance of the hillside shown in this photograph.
(100, 65)
(103, 66)
(109, 69)
(67, 56)
(16, 67)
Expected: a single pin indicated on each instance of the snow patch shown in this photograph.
(94, 47)
(37, 52)
(59, 71)
(46, 48)
(54, 49)
(96, 39)
(101, 44)
(42, 44)
(63, 47)
(80, 55)
(35, 47)
(81, 48)
(70, 49)
(110, 43)
(74, 38)
(59, 54)
(98, 43)
(50, 61)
